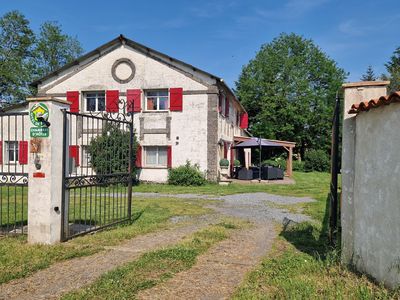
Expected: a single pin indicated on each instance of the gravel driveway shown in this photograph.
(256, 207)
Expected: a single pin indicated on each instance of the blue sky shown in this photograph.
(222, 36)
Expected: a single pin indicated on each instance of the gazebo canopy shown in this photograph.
(255, 143)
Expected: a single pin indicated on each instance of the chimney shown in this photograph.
(355, 92)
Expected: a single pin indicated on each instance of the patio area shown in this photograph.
(260, 172)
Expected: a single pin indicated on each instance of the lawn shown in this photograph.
(13, 206)
(19, 259)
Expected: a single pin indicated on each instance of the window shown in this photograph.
(95, 101)
(157, 100)
(85, 157)
(156, 156)
(12, 152)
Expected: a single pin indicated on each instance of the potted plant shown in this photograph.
(224, 165)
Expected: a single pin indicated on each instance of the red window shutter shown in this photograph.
(169, 157)
(74, 153)
(225, 150)
(232, 160)
(1, 152)
(134, 100)
(23, 152)
(244, 121)
(176, 99)
(138, 162)
(112, 98)
(73, 97)
(227, 106)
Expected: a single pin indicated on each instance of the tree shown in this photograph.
(54, 49)
(16, 57)
(289, 91)
(393, 68)
(369, 75)
(109, 152)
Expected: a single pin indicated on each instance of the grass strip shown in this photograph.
(157, 266)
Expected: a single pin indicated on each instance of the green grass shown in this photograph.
(155, 267)
(13, 206)
(19, 259)
(302, 265)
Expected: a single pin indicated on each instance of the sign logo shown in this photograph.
(37, 114)
(39, 110)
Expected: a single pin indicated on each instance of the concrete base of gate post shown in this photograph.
(45, 175)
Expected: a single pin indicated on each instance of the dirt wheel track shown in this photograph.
(218, 272)
(72, 274)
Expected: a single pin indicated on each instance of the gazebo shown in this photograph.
(260, 143)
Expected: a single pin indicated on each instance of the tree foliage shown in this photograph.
(25, 56)
(393, 69)
(289, 92)
(16, 56)
(369, 74)
(109, 152)
(54, 49)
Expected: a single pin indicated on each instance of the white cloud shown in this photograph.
(291, 9)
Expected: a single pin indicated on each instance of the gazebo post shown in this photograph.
(259, 165)
(289, 161)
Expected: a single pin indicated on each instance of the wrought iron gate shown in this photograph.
(333, 195)
(14, 173)
(97, 168)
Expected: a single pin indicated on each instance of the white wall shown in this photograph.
(376, 194)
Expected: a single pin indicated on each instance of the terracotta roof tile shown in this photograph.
(373, 103)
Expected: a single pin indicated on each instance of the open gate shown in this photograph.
(97, 168)
(333, 195)
(13, 173)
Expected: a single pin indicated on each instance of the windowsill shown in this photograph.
(155, 111)
(155, 167)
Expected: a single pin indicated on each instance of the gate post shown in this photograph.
(45, 169)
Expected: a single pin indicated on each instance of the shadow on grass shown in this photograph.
(310, 238)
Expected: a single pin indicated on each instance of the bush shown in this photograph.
(186, 175)
(105, 156)
(277, 162)
(236, 163)
(224, 162)
(317, 160)
(298, 165)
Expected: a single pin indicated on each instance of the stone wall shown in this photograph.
(370, 195)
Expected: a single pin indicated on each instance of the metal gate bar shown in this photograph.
(96, 193)
(333, 195)
(13, 174)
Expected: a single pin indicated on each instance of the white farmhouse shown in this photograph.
(180, 112)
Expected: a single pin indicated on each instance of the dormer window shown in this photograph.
(157, 100)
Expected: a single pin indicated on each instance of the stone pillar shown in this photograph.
(353, 93)
(45, 171)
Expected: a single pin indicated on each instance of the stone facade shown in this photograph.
(195, 133)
